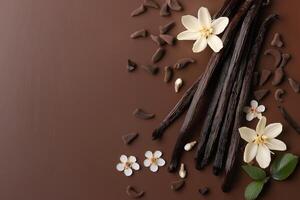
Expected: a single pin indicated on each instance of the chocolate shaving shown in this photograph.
(184, 62)
(278, 95)
(151, 69)
(174, 5)
(278, 76)
(285, 59)
(276, 54)
(166, 28)
(141, 114)
(264, 77)
(294, 85)
(129, 138)
(140, 10)
(132, 192)
(204, 191)
(158, 55)
(177, 185)
(165, 10)
(139, 34)
(168, 74)
(260, 94)
(157, 40)
(277, 42)
(169, 39)
(131, 66)
(151, 4)
(288, 118)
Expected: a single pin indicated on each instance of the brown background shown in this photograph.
(66, 100)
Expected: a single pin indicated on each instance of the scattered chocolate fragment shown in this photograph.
(141, 114)
(151, 4)
(184, 62)
(157, 40)
(260, 94)
(278, 76)
(294, 85)
(264, 76)
(277, 42)
(140, 10)
(139, 34)
(158, 55)
(168, 74)
(278, 95)
(129, 138)
(164, 10)
(131, 66)
(169, 39)
(288, 118)
(132, 192)
(204, 191)
(285, 59)
(151, 69)
(174, 5)
(177, 185)
(255, 78)
(166, 28)
(276, 55)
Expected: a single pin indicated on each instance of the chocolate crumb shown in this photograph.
(177, 185)
(157, 40)
(139, 34)
(169, 39)
(151, 4)
(151, 69)
(278, 76)
(260, 94)
(141, 114)
(166, 28)
(264, 77)
(131, 66)
(158, 55)
(132, 192)
(174, 5)
(129, 138)
(204, 191)
(294, 85)
(276, 54)
(168, 74)
(184, 62)
(140, 10)
(165, 10)
(278, 95)
(277, 41)
(285, 59)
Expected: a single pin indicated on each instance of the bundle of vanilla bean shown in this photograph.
(228, 76)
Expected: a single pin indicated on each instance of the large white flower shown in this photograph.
(204, 30)
(261, 141)
(254, 111)
(154, 160)
(127, 164)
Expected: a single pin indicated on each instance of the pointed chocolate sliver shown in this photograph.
(141, 114)
(139, 34)
(129, 138)
(278, 76)
(140, 10)
(285, 59)
(174, 5)
(158, 55)
(294, 85)
(165, 10)
(131, 66)
(277, 41)
(264, 77)
(169, 39)
(157, 40)
(177, 185)
(166, 28)
(151, 4)
(260, 94)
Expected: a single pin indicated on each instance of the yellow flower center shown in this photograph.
(260, 139)
(153, 160)
(206, 32)
(127, 165)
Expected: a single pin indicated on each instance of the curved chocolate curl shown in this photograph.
(184, 62)
(151, 4)
(174, 5)
(285, 59)
(133, 192)
(276, 54)
(294, 85)
(278, 95)
(166, 28)
(278, 76)
(140, 10)
(129, 138)
(139, 34)
(141, 114)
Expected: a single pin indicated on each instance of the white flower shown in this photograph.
(261, 141)
(127, 164)
(154, 160)
(204, 30)
(254, 111)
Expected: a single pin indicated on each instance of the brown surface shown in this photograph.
(66, 100)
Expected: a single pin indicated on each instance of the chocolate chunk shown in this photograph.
(168, 74)
(278, 95)
(204, 191)
(151, 69)
(141, 114)
(164, 10)
(140, 10)
(177, 185)
(151, 4)
(278, 76)
(158, 55)
(139, 34)
(169, 39)
(184, 62)
(132, 192)
(255, 78)
(174, 5)
(276, 54)
(131, 66)
(276, 41)
(264, 77)
(294, 85)
(129, 138)
(260, 94)
(285, 59)
(157, 40)
(166, 28)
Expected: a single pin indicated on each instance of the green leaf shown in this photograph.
(254, 189)
(255, 173)
(284, 166)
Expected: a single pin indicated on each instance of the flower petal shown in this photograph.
(132, 159)
(188, 35)
(258, 115)
(135, 166)
(160, 162)
(154, 168)
(157, 154)
(200, 45)
(219, 25)
(148, 154)
(263, 156)
(250, 152)
(247, 134)
(250, 116)
(261, 125)
(128, 172)
(275, 144)
(147, 163)
(254, 104)
(215, 43)
(120, 167)
(261, 108)
(190, 23)
(123, 158)
(204, 17)
(273, 130)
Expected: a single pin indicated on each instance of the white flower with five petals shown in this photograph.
(261, 141)
(127, 165)
(204, 30)
(154, 160)
(255, 111)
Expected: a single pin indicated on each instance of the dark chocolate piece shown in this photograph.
(141, 114)
(285, 59)
(174, 5)
(177, 185)
(278, 76)
(288, 118)
(132, 192)
(151, 4)
(168, 74)
(139, 34)
(278, 95)
(276, 54)
(276, 41)
(264, 76)
(169, 39)
(165, 10)
(157, 40)
(140, 10)
(294, 85)
(129, 138)
(260, 94)
(204, 191)
(184, 62)
(166, 28)
(131, 66)
(151, 69)
(158, 55)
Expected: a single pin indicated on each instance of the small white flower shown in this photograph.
(204, 30)
(127, 164)
(154, 160)
(254, 111)
(261, 141)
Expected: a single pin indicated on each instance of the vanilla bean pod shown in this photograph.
(195, 107)
(232, 156)
(226, 9)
